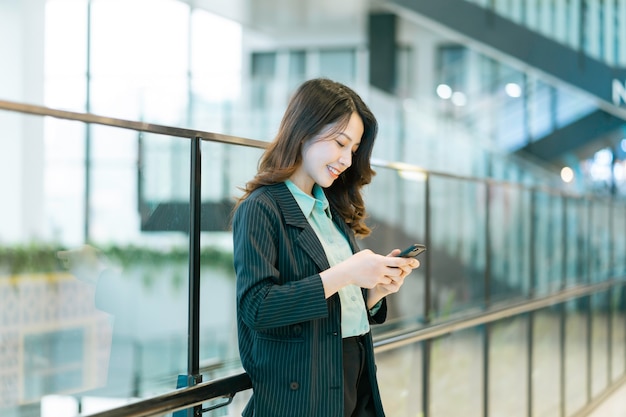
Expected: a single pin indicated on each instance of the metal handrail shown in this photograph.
(128, 124)
(490, 315)
(182, 398)
(237, 140)
(228, 387)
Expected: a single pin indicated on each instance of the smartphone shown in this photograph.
(412, 251)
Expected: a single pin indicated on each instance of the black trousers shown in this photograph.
(357, 393)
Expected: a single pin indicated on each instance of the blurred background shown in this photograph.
(502, 146)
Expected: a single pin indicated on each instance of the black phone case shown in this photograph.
(412, 251)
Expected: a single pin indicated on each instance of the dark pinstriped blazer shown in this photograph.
(289, 334)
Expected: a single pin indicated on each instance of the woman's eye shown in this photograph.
(341, 145)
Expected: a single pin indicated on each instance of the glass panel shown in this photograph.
(599, 342)
(618, 332)
(608, 32)
(144, 288)
(68, 93)
(225, 168)
(103, 321)
(510, 126)
(122, 85)
(592, 34)
(215, 64)
(398, 225)
(601, 23)
(406, 74)
(577, 241)
(575, 23)
(263, 65)
(561, 21)
(221, 179)
(400, 380)
(263, 72)
(541, 108)
(64, 181)
(600, 253)
(510, 242)
(571, 106)
(451, 60)
(508, 367)
(576, 351)
(512, 9)
(65, 30)
(113, 207)
(546, 371)
(457, 220)
(533, 14)
(547, 244)
(339, 65)
(619, 241)
(457, 357)
(297, 69)
(621, 32)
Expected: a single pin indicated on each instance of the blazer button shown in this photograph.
(297, 330)
(294, 386)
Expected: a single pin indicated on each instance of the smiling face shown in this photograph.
(328, 154)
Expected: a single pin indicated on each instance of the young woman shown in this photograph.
(306, 293)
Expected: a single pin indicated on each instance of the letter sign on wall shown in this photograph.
(619, 92)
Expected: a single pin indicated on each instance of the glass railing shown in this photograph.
(541, 350)
(90, 323)
(594, 27)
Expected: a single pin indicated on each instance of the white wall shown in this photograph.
(21, 138)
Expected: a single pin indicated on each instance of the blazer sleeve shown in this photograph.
(381, 314)
(265, 298)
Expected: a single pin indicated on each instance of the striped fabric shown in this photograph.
(289, 334)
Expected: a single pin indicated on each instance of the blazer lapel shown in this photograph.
(293, 216)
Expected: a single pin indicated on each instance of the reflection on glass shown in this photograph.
(548, 239)
(619, 241)
(576, 351)
(618, 332)
(458, 245)
(577, 242)
(599, 238)
(508, 367)
(600, 310)
(510, 245)
(546, 366)
(457, 357)
(400, 380)
(397, 226)
(338, 64)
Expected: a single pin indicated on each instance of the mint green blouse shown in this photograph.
(354, 320)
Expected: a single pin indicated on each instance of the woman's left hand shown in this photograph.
(382, 290)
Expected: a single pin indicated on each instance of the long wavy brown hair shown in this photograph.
(318, 104)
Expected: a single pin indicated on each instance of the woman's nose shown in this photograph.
(346, 159)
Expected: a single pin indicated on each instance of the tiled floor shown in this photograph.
(615, 406)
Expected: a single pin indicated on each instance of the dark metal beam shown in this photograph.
(575, 136)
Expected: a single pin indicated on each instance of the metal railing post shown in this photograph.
(427, 344)
(195, 206)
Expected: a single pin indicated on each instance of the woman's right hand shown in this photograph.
(366, 269)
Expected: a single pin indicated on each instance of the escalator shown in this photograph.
(558, 44)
